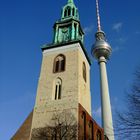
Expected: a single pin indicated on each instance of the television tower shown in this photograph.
(101, 51)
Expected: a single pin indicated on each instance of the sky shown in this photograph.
(26, 25)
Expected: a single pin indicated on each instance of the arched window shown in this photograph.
(69, 11)
(83, 126)
(73, 11)
(98, 135)
(65, 13)
(90, 130)
(58, 89)
(84, 72)
(59, 63)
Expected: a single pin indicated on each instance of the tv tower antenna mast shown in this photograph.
(101, 51)
(98, 16)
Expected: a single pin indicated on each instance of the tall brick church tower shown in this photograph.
(64, 83)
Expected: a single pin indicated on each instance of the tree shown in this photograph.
(62, 126)
(128, 122)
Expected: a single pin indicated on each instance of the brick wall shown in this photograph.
(88, 120)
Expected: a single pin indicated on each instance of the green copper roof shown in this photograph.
(70, 1)
(69, 11)
(68, 27)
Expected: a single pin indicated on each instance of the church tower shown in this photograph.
(64, 81)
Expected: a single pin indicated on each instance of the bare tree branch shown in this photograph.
(63, 126)
(128, 121)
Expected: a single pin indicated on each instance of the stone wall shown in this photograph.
(74, 89)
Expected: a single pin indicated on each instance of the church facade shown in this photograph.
(63, 101)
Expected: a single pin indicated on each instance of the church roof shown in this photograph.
(23, 133)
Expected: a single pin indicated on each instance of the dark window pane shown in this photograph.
(59, 63)
(62, 65)
(59, 92)
(84, 126)
(56, 92)
(84, 72)
(91, 131)
(69, 12)
(65, 13)
(57, 66)
(98, 135)
(73, 12)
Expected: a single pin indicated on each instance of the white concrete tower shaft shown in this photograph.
(101, 51)
(105, 100)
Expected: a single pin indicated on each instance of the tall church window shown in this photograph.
(83, 126)
(84, 71)
(98, 135)
(73, 11)
(90, 130)
(58, 89)
(67, 12)
(59, 63)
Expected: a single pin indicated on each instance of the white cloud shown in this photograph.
(89, 29)
(137, 32)
(97, 112)
(117, 26)
(116, 49)
(122, 40)
(119, 44)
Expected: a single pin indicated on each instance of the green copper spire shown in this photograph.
(70, 1)
(68, 28)
(69, 11)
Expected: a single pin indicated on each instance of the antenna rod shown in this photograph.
(98, 16)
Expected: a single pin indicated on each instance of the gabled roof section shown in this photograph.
(25, 129)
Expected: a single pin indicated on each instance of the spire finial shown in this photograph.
(70, 1)
(98, 16)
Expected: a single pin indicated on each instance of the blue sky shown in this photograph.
(25, 25)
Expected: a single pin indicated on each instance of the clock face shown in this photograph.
(64, 30)
(65, 34)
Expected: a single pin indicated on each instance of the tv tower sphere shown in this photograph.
(101, 48)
